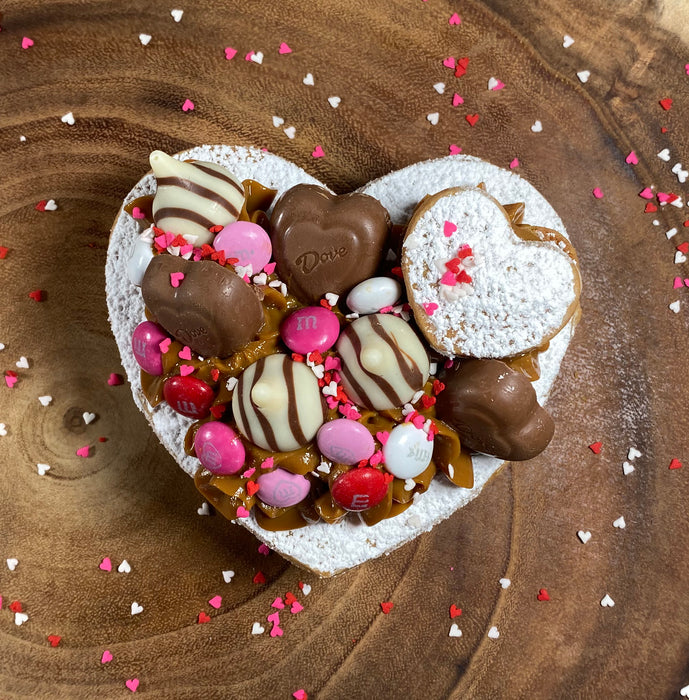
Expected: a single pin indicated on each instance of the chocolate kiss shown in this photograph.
(213, 310)
(494, 410)
(326, 243)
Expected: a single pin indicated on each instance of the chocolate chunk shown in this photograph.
(213, 310)
(326, 243)
(494, 410)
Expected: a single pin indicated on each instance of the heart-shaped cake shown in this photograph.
(328, 415)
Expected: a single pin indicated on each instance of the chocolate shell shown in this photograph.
(494, 410)
(326, 243)
(213, 310)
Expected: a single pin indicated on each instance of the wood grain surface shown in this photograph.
(624, 382)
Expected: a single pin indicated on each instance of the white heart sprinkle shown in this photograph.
(67, 119)
(505, 582)
(22, 363)
(2, 346)
(45, 400)
(334, 101)
(3, 430)
(306, 589)
(409, 484)
(627, 468)
(536, 127)
(136, 608)
(290, 131)
(493, 632)
(323, 468)
(584, 536)
(674, 306)
(88, 417)
(677, 203)
(607, 601)
(684, 692)
(51, 205)
(669, 234)
(331, 298)
(144, 39)
(177, 15)
(42, 469)
(414, 521)
(493, 83)
(620, 522)
(203, 510)
(680, 257)
(278, 121)
(633, 454)
(231, 383)
(681, 174)
(260, 279)
(318, 370)
(455, 631)
(257, 628)
(125, 567)
(664, 154)
(584, 75)
(227, 575)
(20, 618)
(308, 80)
(433, 118)
(22, 139)
(439, 88)
(331, 389)
(257, 57)
(12, 563)
(567, 41)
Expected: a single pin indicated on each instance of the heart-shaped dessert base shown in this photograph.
(322, 548)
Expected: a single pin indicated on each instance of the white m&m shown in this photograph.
(408, 451)
(374, 294)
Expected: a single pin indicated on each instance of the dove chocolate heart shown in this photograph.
(494, 410)
(212, 310)
(327, 243)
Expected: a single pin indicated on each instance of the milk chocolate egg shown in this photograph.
(383, 362)
(277, 404)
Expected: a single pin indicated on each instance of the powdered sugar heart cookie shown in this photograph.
(329, 548)
(481, 285)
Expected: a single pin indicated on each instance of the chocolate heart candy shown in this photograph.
(213, 310)
(494, 410)
(326, 243)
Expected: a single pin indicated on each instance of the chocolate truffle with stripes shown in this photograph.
(383, 361)
(192, 196)
(277, 404)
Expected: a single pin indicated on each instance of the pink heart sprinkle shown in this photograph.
(418, 421)
(455, 150)
(269, 268)
(248, 473)
(161, 241)
(376, 458)
(632, 159)
(449, 228)
(331, 401)
(248, 56)
(83, 451)
(186, 249)
(457, 100)
(332, 363)
(382, 436)
(276, 631)
(230, 53)
(455, 19)
(185, 370)
(686, 281)
(215, 601)
(677, 283)
(107, 657)
(242, 512)
(188, 106)
(137, 213)
(267, 463)
(598, 193)
(499, 85)
(27, 43)
(663, 197)
(185, 353)
(317, 152)
(284, 48)
(277, 603)
(164, 345)
(274, 618)
(514, 163)
(132, 684)
(448, 279)
(106, 564)
(176, 278)
(429, 307)
(297, 607)
(686, 68)
(299, 694)
(646, 193)
(263, 549)
(10, 381)
(115, 379)
(449, 62)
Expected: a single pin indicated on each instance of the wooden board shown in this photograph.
(623, 382)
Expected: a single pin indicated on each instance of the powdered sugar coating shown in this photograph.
(329, 549)
(521, 290)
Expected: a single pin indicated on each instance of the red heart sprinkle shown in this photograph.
(665, 103)
(650, 207)
(3, 252)
(461, 69)
(397, 271)
(290, 598)
(37, 295)
(325, 305)
(427, 400)
(16, 606)
(251, 487)
(217, 411)
(260, 577)
(454, 611)
(203, 618)
(472, 118)
(663, 130)
(543, 594)
(438, 386)
(386, 607)
(675, 464)
(41, 205)
(215, 374)
(54, 640)
(683, 247)
(596, 447)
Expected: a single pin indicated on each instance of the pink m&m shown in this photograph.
(219, 448)
(189, 396)
(345, 441)
(311, 328)
(145, 344)
(246, 241)
(359, 488)
(282, 489)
